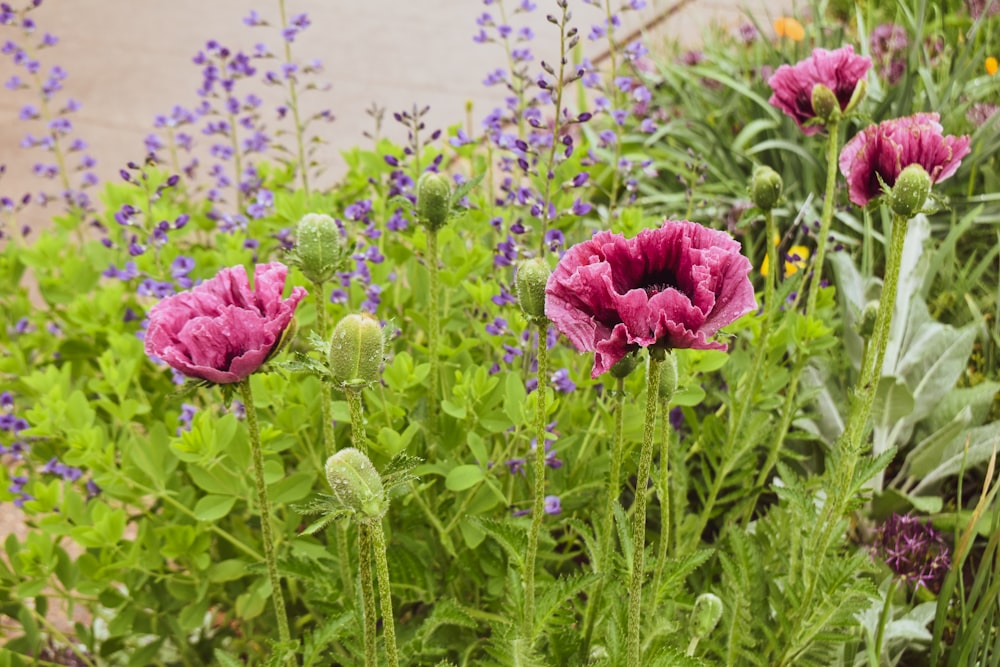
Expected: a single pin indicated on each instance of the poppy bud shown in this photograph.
(356, 485)
(705, 615)
(668, 378)
(357, 348)
(909, 194)
(866, 324)
(765, 188)
(825, 104)
(859, 94)
(319, 249)
(532, 275)
(433, 199)
(624, 366)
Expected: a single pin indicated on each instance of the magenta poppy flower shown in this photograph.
(839, 70)
(884, 150)
(222, 331)
(672, 287)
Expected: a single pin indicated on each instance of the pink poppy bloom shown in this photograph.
(839, 70)
(672, 287)
(884, 150)
(222, 331)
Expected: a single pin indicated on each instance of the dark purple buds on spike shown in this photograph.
(584, 117)
(391, 160)
(580, 179)
(521, 144)
(173, 180)
(127, 177)
(522, 163)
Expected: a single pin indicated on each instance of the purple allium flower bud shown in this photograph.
(913, 550)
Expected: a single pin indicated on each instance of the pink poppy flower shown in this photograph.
(839, 70)
(672, 287)
(884, 150)
(222, 331)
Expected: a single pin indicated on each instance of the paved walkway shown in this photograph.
(127, 62)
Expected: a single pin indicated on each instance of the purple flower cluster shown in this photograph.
(913, 550)
(65, 162)
(888, 44)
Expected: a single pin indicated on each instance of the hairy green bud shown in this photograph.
(909, 194)
(319, 248)
(357, 348)
(433, 199)
(532, 275)
(668, 378)
(860, 90)
(825, 104)
(624, 366)
(866, 323)
(705, 615)
(765, 188)
(356, 485)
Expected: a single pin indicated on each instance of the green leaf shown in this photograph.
(464, 477)
(292, 488)
(893, 402)
(227, 570)
(213, 507)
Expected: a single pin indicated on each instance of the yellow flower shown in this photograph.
(795, 259)
(991, 65)
(786, 26)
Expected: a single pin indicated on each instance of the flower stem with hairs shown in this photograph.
(278, 597)
(538, 507)
(433, 331)
(608, 523)
(368, 595)
(633, 646)
(826, 217)
(666, 441)
(384, 592)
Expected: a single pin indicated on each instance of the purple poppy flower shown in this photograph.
(672, 287)
(222, 331)
(839, 70)
(882, 151)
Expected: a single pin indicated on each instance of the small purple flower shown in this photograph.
(913, 550)
(562, 382)
(552, 505)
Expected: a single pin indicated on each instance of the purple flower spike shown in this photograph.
(839, 70)
(672, 287)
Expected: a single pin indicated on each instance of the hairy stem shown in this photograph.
(433, 332)
(538, 507)
(384, 593)
(368, 595)
(633, 646)
(826, 218)
(278, 597)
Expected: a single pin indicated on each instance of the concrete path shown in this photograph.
(127, 61)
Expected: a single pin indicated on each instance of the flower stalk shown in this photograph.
(278, 598)
(633, 645)
(826, 217)
(538, 506)
(384, 592)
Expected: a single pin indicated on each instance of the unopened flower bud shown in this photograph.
(825, 104)
(433, 199)
(705, 615)
(357, 348)
(859, 94)
(909, 194)
(668, 378)
(624, 366)
(765, 188)
(357, 485)
(866, 323)
(532, 275)
(319, 248)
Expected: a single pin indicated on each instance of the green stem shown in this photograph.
(826, 218)
(265, 512)
(538, 508)
(367, 595)
(664, 493)
(293, 105)
(384, 593)
(633, 646)
(358, 436)
(433, 325)
(608, 525)
(882, 622)
(550, 165)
